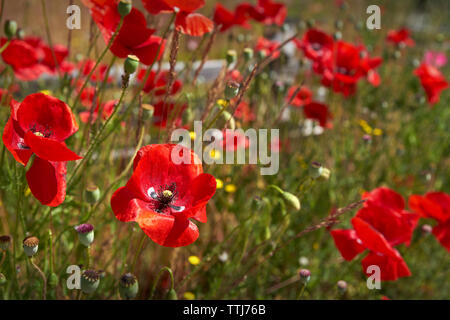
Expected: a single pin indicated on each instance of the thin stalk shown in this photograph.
(44, 290)
(152, 293)
(138, 251)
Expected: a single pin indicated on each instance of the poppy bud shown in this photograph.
(10, 28)
(92, 194)
(20, 34)
(248, 54)
(30, 245)
(342, 286)
(231, 90)
(124, 7)
(53, 280)
(339, 24)
(5, 241)
(292, 200)
(305, 275)
(85, 233)
(397, 54)
(128, 286)
(90, 280)
(262, 54)
(310, 23)
(229, 119)
(231, 56)
(172, 295)
(131, 64)
(2, 279)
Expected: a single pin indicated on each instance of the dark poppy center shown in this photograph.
(164, 198)
(41, 131)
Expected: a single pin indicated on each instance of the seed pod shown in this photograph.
(342, 286)
(90, 280)
(10, 28)
(131, 64)
(128, 286)
(231, 90)
(20, 33)
(92, 194)
(30, 245)
(5, 242)
(85, 233)
(124, 7)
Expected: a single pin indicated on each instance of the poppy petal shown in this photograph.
(390, 268)
(193, 24)
(442, 233)
(15, 143)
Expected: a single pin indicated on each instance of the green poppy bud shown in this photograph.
(92, 194)
(128, 286)
(10, 28)
(305, 276)
(337, 35)
(172, 295)
(124, 7)
(85, 233)
(262, 54)
(30, 245)
(310, 23)
(2, 279)
(90, 280)
(231, 56)
(231, 90)
(5, 242)
(248, 54)
(53, 280)
(131, 64)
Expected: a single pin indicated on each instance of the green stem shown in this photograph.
(3, 48)
(138, 251)
(152, 293)
(49, 38)
(302, 290)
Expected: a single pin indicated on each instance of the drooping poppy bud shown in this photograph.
(231, 90)
(292, 200)
(90, 280)
(85, 233)
(10, 28)
(128, 286)
(172, 295)
(30, 245)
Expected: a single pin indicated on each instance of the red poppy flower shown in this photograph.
(268, 47)
(435, 205)
(39, 125)
(134, 38)
(303, 96)
(163, 196)
(400, 37)
(244, 112)
(379, 226)
(107, 110)
(235, 75)
(318, 111)
(432, 80)
(158, 82)
(186, 21)
(233, 140)
(368, 66)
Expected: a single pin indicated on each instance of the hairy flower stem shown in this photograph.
(205, 55)
(3, 48)
(3, 258)
(100, 58)
(152, 292)
(44, 290)
(96, 140)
